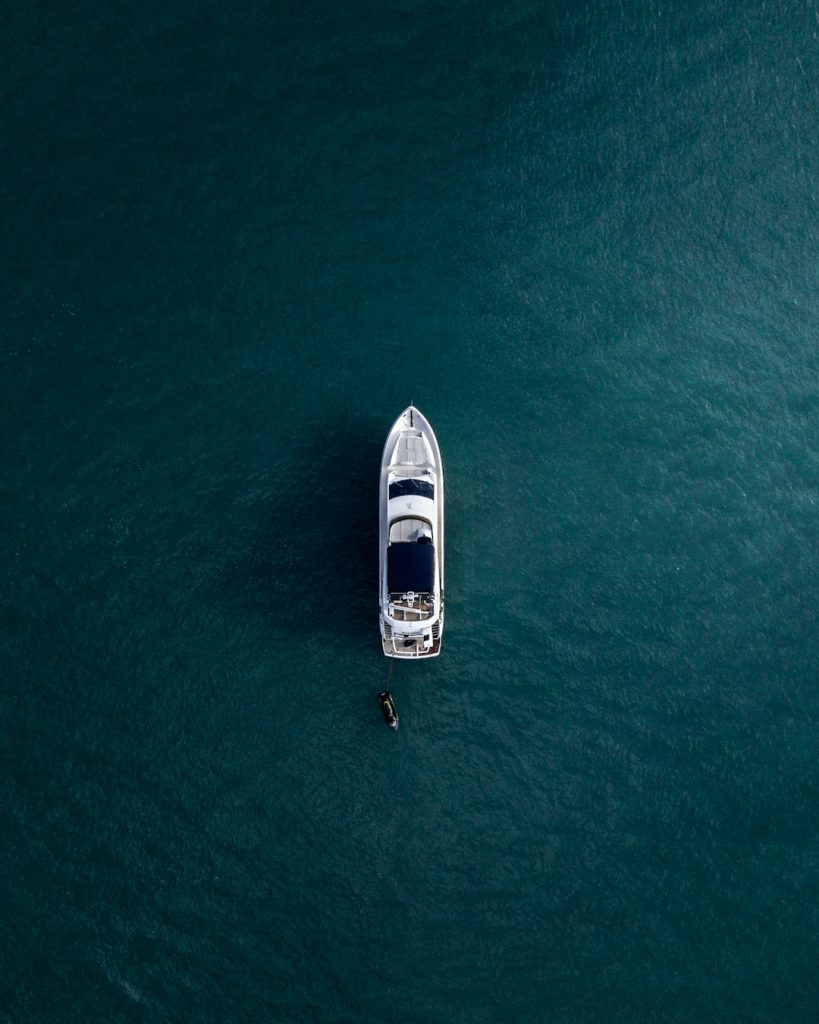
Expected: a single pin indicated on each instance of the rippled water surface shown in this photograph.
(240, 239)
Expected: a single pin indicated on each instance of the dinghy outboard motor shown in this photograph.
(388, 710)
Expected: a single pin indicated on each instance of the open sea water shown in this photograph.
(238, 240)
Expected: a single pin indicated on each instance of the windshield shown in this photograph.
(408, 488)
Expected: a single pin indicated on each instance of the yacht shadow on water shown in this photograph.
(312, 566)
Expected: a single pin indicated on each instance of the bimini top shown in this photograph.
(410, 567)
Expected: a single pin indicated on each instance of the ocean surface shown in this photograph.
(238, 240)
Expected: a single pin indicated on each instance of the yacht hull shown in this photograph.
(411, 540)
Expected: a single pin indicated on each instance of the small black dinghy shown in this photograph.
(388, 709)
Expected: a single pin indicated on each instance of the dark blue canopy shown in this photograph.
(410, 567)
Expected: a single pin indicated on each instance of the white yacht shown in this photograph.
(411, 534)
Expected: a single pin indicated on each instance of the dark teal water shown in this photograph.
(238, 240)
